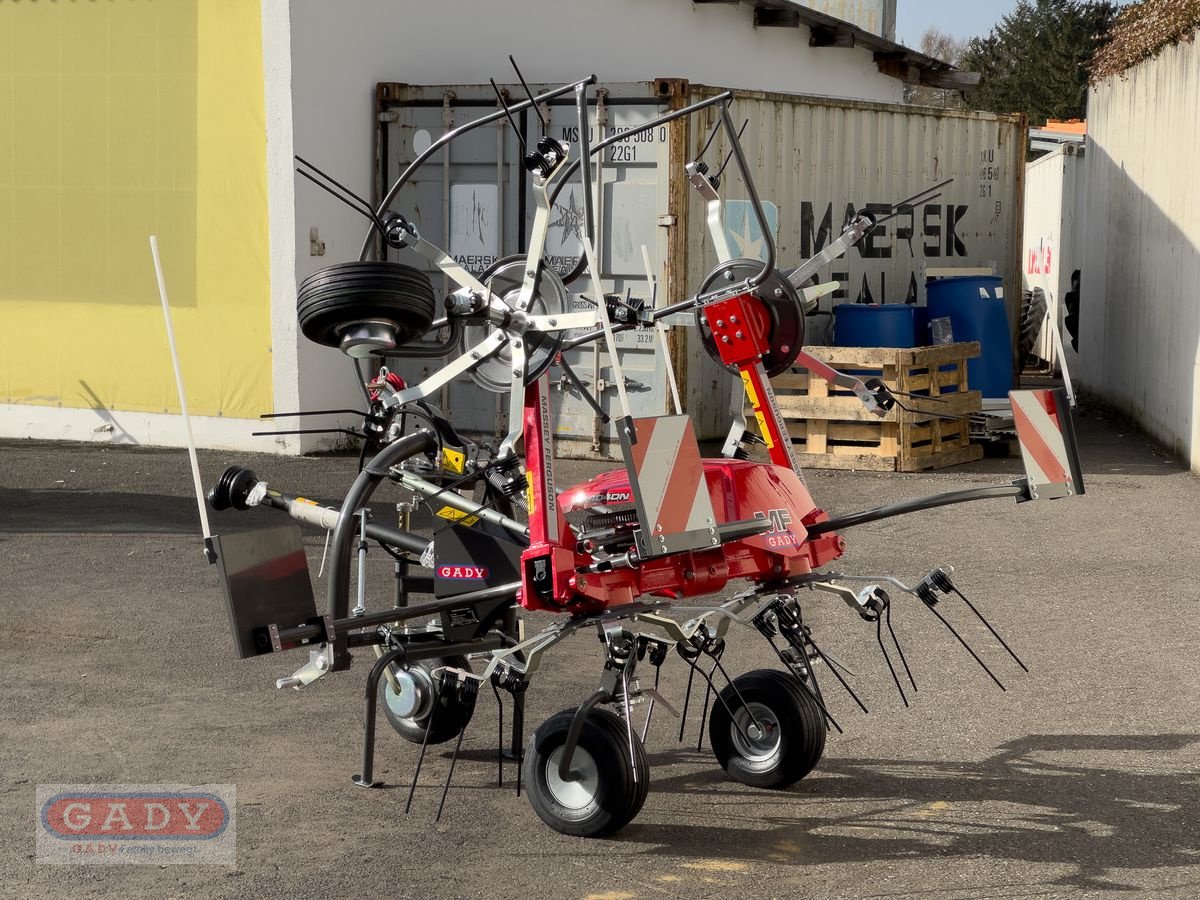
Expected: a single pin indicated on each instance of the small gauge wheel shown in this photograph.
(769, 732)
(605, 791)
(365, 308)
(412, 712)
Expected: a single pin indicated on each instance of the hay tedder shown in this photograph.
(622, 554)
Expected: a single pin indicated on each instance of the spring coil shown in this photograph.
(618, 519)
(505, 477)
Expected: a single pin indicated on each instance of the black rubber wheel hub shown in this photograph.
(414, 717)
(604, 794)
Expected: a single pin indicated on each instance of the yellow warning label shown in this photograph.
(762, 420)
(529, 492)
(453, 461)
(750, 390)
(764, 430)
(456, 515)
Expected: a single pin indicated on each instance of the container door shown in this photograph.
(472, 198)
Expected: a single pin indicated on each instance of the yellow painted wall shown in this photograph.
(118, 119)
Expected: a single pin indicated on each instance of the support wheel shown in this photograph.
(365, 308)
(411, 711)
(789, 740)
(605, 797)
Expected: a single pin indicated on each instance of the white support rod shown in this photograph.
(661, 328)
(610, 341)
(183, 407)
(1056, 337)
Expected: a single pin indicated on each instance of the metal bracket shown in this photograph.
(712, 201)
(443, 260)
(318, 664)
(473, 357)
(854, 233)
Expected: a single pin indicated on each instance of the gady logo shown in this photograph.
(135, 824)
(158, 817)
(462, 573)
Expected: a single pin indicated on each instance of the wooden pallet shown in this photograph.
(831, 429)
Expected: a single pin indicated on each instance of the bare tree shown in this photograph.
(947, 48)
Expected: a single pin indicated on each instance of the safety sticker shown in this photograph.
(457, 515)
(750, 390)
(758, 414)
(764, 430)
(453, 460)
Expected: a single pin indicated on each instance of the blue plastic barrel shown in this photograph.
(870, 325)
(975, 306)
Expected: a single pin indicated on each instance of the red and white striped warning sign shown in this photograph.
(670, 479)
(1047, 439)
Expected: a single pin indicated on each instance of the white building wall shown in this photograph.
(341, 50)
(1139, 309)
(281, 204)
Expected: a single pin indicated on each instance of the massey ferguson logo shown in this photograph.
(463, 573)
(780, 534)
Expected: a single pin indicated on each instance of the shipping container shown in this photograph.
(1051, 253)
(875, 16)
(815, 161)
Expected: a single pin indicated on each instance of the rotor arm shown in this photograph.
(697, 174)
(875, 397)
(853, 233)
(402, 233)
(467, 361)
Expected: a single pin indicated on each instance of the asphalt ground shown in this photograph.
(1081, 778)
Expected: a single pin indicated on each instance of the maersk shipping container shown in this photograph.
(815, 161)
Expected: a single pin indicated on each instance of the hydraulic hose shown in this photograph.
(1016, 489)
(342, 542)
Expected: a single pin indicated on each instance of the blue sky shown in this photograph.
(961, 18)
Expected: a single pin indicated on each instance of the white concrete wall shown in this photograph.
(1140, 297)
(340, 50)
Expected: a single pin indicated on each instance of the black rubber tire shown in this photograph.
(452, 714)
(800, 723)
(1033, 316)
(336, 296)
(618, 796)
